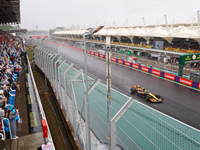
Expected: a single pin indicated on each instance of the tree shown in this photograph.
(5, 27)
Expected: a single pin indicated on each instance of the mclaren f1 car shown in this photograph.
(138, 90)
(141, 91)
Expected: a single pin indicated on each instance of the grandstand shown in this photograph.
(21, 121)
(179, 36)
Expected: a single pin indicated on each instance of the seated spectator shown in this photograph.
(15, 85)
(2, 96)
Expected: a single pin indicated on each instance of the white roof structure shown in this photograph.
(167, 33)
(123, 32)
(158, 32)
(112, 32)
(183, 32)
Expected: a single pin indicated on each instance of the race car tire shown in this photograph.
(147, 98)
(132, 90)
(158, 96)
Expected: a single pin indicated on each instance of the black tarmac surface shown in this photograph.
(180, 102)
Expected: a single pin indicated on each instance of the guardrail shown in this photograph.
(41, 110)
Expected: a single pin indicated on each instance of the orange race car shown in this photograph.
(154, 98)
(138, 90)
(141, 91)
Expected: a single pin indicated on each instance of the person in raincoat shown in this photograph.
(13, 127)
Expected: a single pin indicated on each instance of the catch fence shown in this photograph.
(133, 124)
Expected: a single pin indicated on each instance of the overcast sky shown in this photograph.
(47, 14)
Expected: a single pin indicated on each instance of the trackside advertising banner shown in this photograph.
(102, 55)
(143, 68)
(135, 66)
(88, 52)
(169, 76)
(199, 86)
(92, 53)
(96, 54)
(156, 72)
(185, 81)
(113, 59)
(127, 63)
(120, 61)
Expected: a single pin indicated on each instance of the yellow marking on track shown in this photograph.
(35, 119)
(30, 100)
(27, 84)
(31, 119)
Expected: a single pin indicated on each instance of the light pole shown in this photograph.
(89, 31)
(108, 74)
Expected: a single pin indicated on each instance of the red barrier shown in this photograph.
(88, 52)
(96, 54)
(92, 53)
(113, 59)
(102, 55)
(146, 69)
(135, 66)
(199, 86)
(33, 37)
(127, 63)
(120, 61)
(44, 126)
(42, 37)
(169, 76)
(185, 81)
(156, 72)
(82, 50)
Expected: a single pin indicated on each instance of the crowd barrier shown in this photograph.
(159, 73)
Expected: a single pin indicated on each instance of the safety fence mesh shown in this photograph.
(140, 127)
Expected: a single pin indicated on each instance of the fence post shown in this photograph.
(65, 87)
(59, 87)
(74, 101)
(55, 77)
(51, 68)
(115, 119)
(45, 61)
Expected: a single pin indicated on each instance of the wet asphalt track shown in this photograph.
(180, 102)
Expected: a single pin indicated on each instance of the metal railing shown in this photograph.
(41, 110)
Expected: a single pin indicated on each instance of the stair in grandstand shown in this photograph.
(31, 141)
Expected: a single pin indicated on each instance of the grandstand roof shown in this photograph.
(168, 33)
(9, 11)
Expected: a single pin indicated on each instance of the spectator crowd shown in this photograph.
(11, 52)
